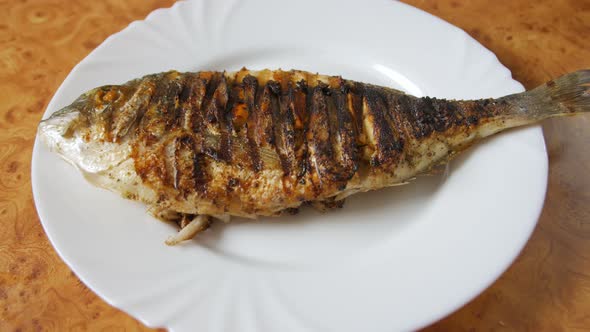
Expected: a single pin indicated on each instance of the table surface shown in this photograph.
(546, 289)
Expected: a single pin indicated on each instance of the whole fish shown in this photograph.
(209, 145)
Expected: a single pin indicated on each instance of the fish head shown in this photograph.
(78, 132)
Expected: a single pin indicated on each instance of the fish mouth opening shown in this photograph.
(57, 129)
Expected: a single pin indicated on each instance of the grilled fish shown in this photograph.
(200, 146)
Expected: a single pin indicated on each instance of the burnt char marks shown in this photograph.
(167, 111)
(318, 137)
(250, 88)
(284, 124)
(166, 132)
(327, 151)
(209, 102)
(421, 115)
(264, 126)
(190, 173)
(237, 113)
(325, 133)
(346, 131)
(388, 143)
(264, 133)
(354, 99)
(477, 110)
(428, 115)
(224, 119)
(169, 107)
(301, 103)
(332, 123)
(424, 116)
(191, 100)
(215, 119)
(448, 114)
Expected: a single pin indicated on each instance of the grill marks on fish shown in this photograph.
(284, 125)
(191, 100)
(287, 129)
(420, 117)
(216, 98)
(347, 133)
(301, 102)
(132, 110)
(250, 88)
(153, 151)
(318, 139)
(264, 134)
(384, 136)
(316, 133)
(153, 124)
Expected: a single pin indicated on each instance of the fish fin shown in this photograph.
(196, 225)
(566, 95)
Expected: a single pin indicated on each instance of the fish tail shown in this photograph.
(566, 95)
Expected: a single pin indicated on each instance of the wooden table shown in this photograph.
(546, 289)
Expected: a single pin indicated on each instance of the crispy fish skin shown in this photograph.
(253, 143)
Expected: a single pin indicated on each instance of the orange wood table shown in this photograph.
(546, 289)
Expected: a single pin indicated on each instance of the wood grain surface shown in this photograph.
(546, 289)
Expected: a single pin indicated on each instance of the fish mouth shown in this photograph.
(54, 131)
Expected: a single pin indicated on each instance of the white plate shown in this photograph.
(394, 259)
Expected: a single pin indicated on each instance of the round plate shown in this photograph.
(394, 259)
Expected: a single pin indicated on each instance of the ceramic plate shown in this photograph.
(390, 260)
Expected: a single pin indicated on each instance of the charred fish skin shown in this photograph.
(260, 143)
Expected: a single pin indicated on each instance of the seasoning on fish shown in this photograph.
(196, 147)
